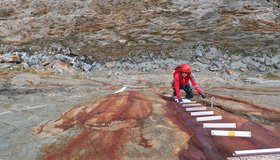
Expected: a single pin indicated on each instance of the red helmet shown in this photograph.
(186, 68)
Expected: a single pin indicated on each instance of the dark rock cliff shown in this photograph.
(120, 27)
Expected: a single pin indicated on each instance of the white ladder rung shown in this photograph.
(256, 151)
(203, 113)
(231, 133)
(196, 109)
(190, 102)
(219, 125)
(191, 105)
(208, 118)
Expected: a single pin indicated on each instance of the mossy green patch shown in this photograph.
(21, 69)
(272, 76)
(77, 76)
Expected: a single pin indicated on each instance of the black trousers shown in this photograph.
(188, 89)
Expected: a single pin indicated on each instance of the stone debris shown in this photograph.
(10, 58)
(110, 65)
(41, 61)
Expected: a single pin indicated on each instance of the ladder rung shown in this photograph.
(256, 151)
(231, 133)
(219, 125)
(191, 105)
(202, 113)
(208, 118)
(196, 109)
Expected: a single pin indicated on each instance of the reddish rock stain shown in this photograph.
(204, 146)
(89, 145)
(101, 144)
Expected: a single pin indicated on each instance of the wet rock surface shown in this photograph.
(53, 117)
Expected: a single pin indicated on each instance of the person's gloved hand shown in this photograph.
(203, 95)
(180, 100)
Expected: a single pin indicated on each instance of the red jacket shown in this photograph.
(179, 80)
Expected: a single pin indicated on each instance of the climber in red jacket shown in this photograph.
(182, 75)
